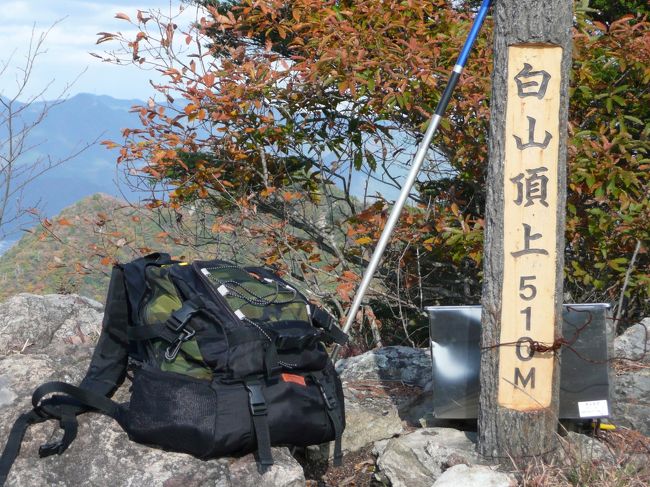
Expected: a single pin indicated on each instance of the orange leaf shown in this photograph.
(109, 144)
(105, 36)
(122, 16)
(349, 276)
(222, 227)
(105, 261)
(344, 290)
(265, 193)
(208, 79)
(64, 222)
(288, 196)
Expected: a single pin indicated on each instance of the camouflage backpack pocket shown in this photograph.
(161, 302)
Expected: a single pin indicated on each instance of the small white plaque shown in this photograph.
(205, 272)
(223, 290)
(593, 409)
(239, 314)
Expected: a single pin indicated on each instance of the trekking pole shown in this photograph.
(415, 168)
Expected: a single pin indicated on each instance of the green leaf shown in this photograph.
(618, 262)
(372, 162)
(633, 119)
(358, 160)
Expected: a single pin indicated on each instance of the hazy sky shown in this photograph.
(70, 42)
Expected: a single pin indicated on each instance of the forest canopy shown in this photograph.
(290, 124)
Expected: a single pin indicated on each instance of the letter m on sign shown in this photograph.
(519, 378)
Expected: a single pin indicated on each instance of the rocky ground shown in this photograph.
(390, 439)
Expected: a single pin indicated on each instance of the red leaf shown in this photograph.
(349, 276)
(344, 290)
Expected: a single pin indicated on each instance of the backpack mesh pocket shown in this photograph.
(172, 411)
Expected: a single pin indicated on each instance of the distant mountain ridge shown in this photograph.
(79, 120)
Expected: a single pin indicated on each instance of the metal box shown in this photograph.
(584, 376)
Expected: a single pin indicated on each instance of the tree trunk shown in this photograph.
(524, 238)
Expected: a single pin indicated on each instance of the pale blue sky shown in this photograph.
(70, 42)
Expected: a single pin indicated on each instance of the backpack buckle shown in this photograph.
(181, 316)
(172, 350)
(50, 449)
(178, 322)
(256, 400)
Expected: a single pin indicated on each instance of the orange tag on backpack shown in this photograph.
(296, 379)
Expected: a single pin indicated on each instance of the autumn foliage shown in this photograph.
(292, 123)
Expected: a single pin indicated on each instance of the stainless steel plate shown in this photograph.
(584, 376)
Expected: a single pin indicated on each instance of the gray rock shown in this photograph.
(419, 458)
(474, 476)
(363, 427)
(579, 448)
(369, 416)
(285, 471)
(379, 447)
(102, 454)
(634, 343)
(381, 387)
(32, 322)
(397, 364)
(631, 400)
(630, 388)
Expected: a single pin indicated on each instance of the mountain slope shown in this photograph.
(74, 251)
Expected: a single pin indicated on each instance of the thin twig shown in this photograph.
(628, 273)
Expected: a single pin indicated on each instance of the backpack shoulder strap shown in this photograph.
(108, 365)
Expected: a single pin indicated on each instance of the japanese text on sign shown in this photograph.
(530, 225)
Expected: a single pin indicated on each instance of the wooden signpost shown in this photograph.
(524, 243)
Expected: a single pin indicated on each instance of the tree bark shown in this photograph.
(505, 432)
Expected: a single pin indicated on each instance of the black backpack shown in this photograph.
(226, 361)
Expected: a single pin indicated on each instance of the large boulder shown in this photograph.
(31, 322)
(631, 399)
(634, 343)
(381, 388)
(474, 476)
(631, 382)
(406, 365)
(419, 458)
